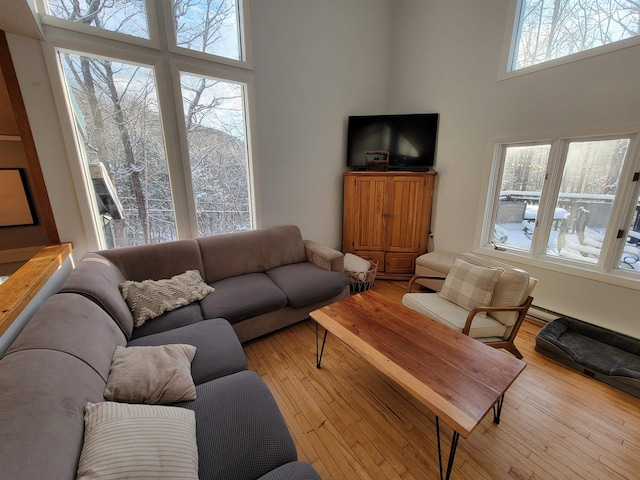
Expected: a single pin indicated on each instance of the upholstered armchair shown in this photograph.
(480, 298)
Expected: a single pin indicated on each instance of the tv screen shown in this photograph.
(410, 140)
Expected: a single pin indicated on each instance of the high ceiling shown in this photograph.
(18, 17)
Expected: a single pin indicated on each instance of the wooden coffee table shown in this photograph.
(456, 377)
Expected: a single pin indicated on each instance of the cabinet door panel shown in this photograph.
(370, 226)
(405, 223)
(400, 263)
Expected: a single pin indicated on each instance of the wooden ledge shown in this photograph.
(22, 286)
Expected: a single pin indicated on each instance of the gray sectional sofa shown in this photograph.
(263, 280)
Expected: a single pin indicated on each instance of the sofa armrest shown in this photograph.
(325, 257)
(413, 280)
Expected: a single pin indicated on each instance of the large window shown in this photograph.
(546, 30)
(160, 124)
(571, 200)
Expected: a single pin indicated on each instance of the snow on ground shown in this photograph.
(519, 236)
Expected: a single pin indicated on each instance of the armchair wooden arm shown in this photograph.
(418, 277)
(507, 342)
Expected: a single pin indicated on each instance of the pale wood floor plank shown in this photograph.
(351, 422)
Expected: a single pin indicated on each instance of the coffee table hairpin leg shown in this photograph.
(497, 409)
(321, 351)
(452, 452)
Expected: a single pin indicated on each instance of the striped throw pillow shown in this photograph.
(125, 441)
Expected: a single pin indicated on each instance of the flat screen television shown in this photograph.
(410, 140)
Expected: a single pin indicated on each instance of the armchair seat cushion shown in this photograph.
(454, 316)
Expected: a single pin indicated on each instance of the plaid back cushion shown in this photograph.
(469, 285)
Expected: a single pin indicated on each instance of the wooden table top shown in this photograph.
(23, 285)
(458, 378)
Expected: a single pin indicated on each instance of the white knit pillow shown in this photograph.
(123, 441)
(469, 285)
(151, 298)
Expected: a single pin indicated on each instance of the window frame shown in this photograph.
(607, 268)
(509, 46)
(62, 35)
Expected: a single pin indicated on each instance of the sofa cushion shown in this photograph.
(156, 375)
(73, 324)
(218, 351)
(238, 420)
(436, 263)
(305, 283)
(131, 441)
(98, 279)
(187, 315)
(230, 254)
(253, 251)
(42, 401)
(454, 316)
(281, 246)
(157, 260)
(292, 471)
(151, 298)
(469, 285)
(241, 297)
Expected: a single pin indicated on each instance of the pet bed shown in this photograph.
(603, 354)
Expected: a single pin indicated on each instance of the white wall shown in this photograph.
(447, 60)
(316, 62)
(33, 78)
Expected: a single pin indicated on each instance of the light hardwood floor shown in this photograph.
(350, 422)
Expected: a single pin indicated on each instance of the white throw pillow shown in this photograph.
(353, 263)
(151, 298)
(469, 285)
(123, 441)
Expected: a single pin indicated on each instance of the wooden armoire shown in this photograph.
(387, 217)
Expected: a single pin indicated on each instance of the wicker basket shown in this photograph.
(361, 281)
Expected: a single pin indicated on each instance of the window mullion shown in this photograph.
(549, 197)
(168, 88)
(173, 124)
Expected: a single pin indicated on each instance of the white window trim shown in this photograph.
(95, 42)
(246, 58)
(509, 46)
(188, 65)
(621, 210)
(153, 40)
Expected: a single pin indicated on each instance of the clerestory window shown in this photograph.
(569, 200)
(156, 94)
(548, 30)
